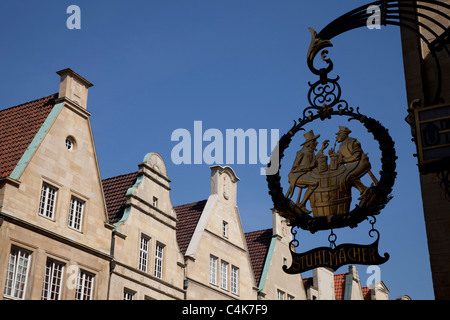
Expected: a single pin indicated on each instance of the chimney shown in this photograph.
(73, 87)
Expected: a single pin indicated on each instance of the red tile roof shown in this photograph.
(18, 126)
(188, 216)
(366, 293)
(258, 243)
(115, 190)
(339, 285)
(308, 282)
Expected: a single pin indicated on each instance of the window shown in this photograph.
(128, 295)
(52, 280)
(143, 254)
(85, 285)
(289, 297)
(159, 261)
(224, 275)
(234, 280)
(213, 270)
(284, 261)
(225, 229)
(47, 203)
(280, 294)
(76, 213)
(69, 143)
(17, 273)
(155, 202)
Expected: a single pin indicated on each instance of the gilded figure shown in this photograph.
(305, 161)
(328, 186)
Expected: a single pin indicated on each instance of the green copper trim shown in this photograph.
(270, 251)
(28, 154)
(130, 190)
(146, 157)
(348, 287)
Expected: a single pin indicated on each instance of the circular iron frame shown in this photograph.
(381, 191)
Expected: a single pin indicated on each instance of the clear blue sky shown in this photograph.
(161, 65)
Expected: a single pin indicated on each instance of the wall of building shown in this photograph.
(421, 83)
(276, 283)
(208, 240)
(73, 173)
(156, 221)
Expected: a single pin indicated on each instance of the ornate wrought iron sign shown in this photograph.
(324, 180)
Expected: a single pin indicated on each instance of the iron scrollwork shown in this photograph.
(325, 101)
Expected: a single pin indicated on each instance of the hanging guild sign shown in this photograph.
(320, 183)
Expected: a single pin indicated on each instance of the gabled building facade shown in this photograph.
(54, 236)
(325, 285)
(213, 243)
(147, 262)
(269, 251)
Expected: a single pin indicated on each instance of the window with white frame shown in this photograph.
(128, 295)
(48, 201)
(234, 280)
(17, 273)
(280, 294)
(143, 253)
(155, 202)
(289, 297)
(76, 213)
(54, 272)
(159, 260)
(224, 275)
(225, 229)
(85, 285)
(213, 270)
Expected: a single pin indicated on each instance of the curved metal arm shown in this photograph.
(392, 13)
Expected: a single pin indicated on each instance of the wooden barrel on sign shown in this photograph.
(333, 195)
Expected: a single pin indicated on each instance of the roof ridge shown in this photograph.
(120, 175)
(190, 203)
(54, 96)
(267, 229)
